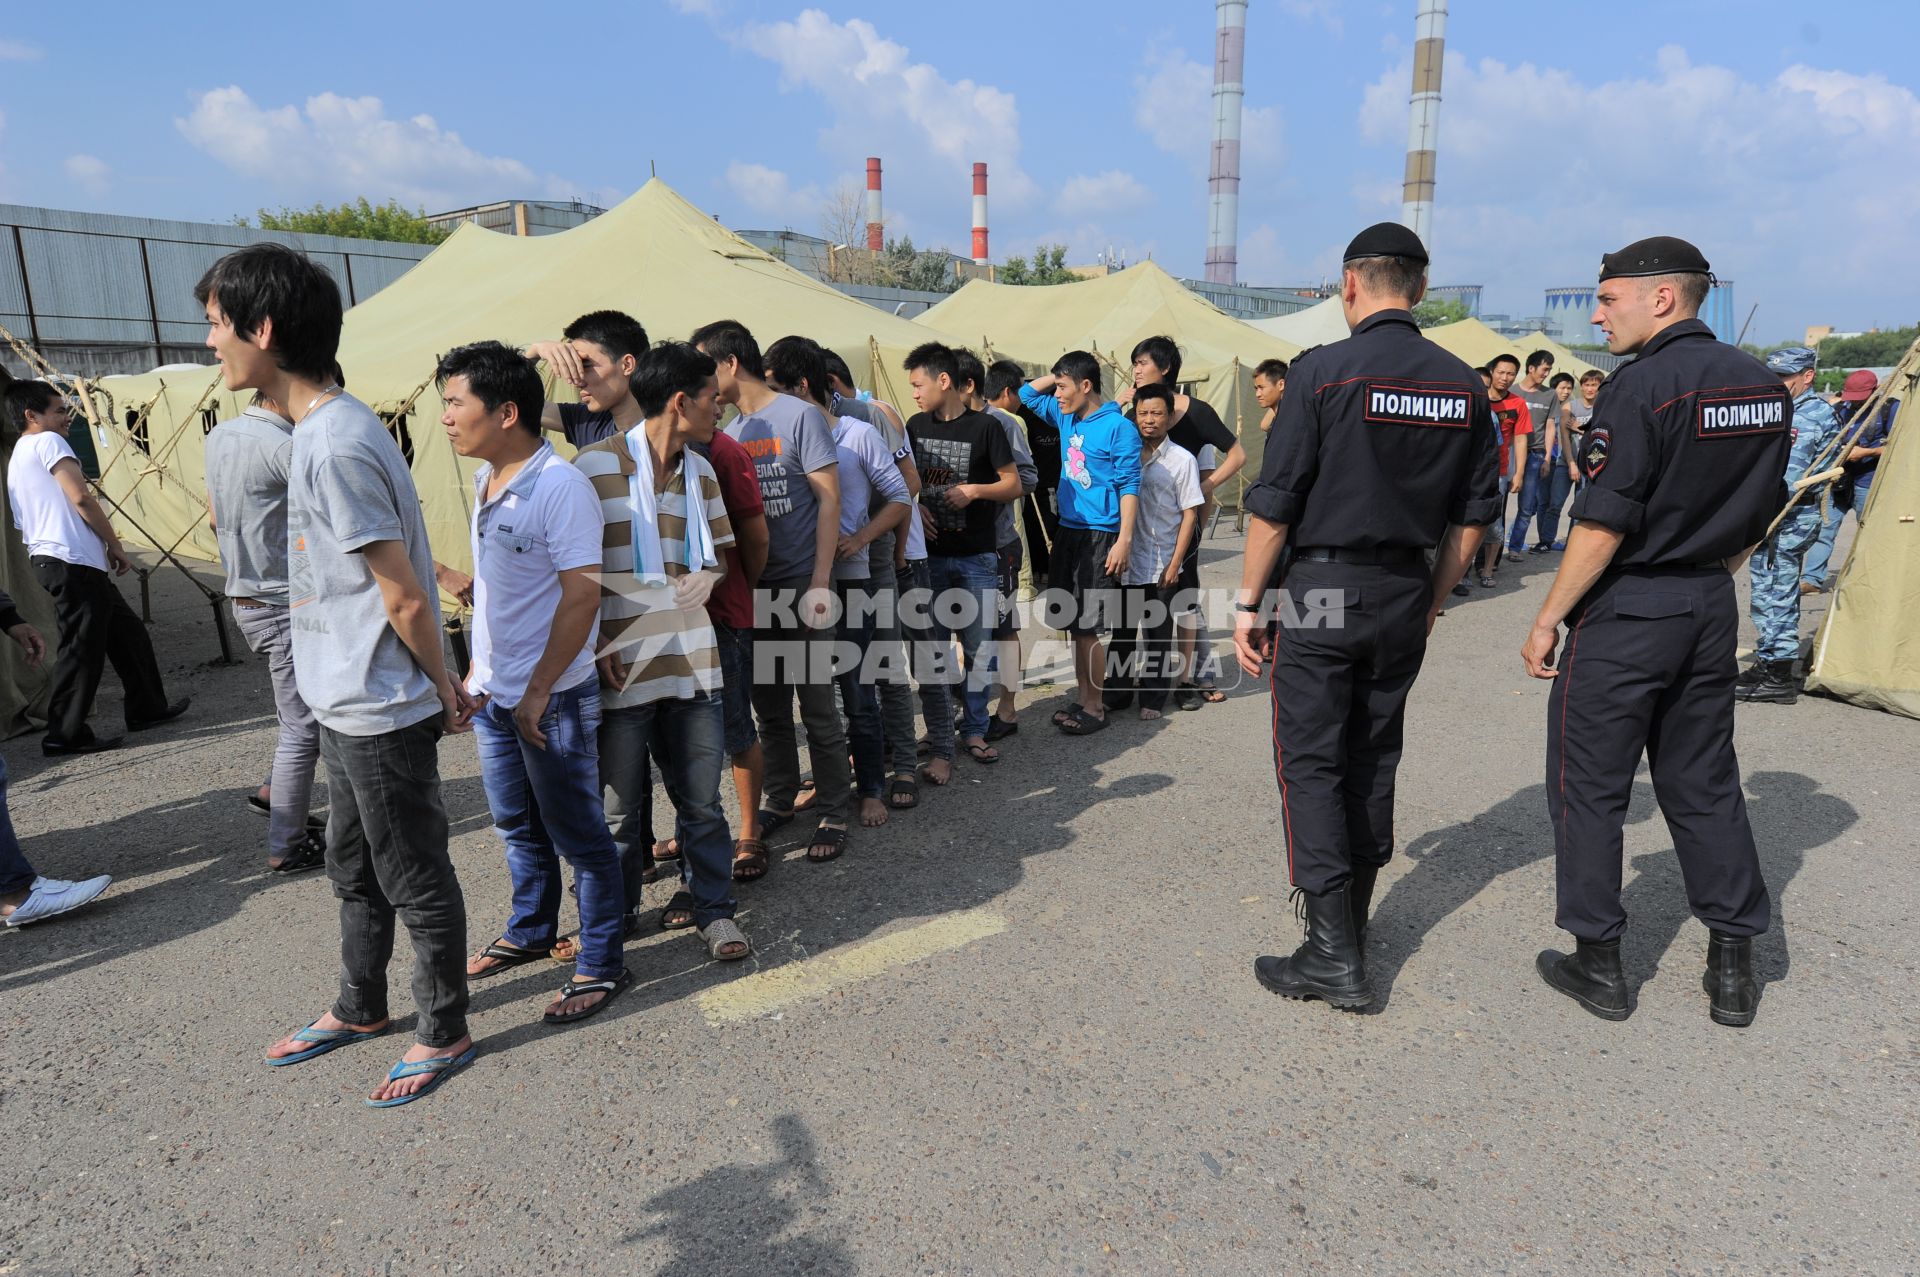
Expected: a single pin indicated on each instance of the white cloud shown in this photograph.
(771, 193)
(20, 51)
(336, 147)
(1174, 107)
(89, 172)
(885, 103)
(1110, 192)
(1747, 169)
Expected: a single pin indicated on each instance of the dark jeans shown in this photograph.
(779, 646)
(545, 806)
(96, 626)
(859, 698)
(688, 739)
(925, 655)
(1143, 655)
(15, 873)
(387, 857)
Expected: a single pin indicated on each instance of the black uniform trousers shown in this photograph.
(96, 626)
(1143, 657)
(1341, 675)
(1649, 666)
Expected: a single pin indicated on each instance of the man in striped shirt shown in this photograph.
(658, 655)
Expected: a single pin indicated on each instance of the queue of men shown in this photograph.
(699, 601)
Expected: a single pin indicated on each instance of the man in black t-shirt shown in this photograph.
(966, 473)
(596, 355)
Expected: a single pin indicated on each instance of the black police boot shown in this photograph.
(1359, 897)
(1590, 975)
(1328, 965)
(1775, 686)
(1752, 674)
(1729, 980)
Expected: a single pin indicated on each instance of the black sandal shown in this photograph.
(574, 988)
(1187, 696)
(506, 957)
(999, 728)
(1213, 695)
(677, 914)
(833, 838)
(772, 822)
(901, 788)
(306, 854)
(985, 755)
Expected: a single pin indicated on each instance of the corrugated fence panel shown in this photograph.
(81, 285)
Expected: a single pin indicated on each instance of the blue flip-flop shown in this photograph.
(441, 1066)
(324, 1040)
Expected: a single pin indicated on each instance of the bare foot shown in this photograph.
(806, 797)
(873, 813)
(287, 1046)
(479, 964)
(938, 771)
(1148, 715)
(415, 1054)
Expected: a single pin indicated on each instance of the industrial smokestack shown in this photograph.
(1223, 177)
(980, 257)
(876, 232)
(1430, 40)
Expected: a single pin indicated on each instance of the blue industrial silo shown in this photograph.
(1719, 314)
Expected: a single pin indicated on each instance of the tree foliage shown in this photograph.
(356, 219)
(1047, 266)
(1435, 311)
(1868, 350)
(925, 270)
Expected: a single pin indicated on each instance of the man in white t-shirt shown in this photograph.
(72, 547)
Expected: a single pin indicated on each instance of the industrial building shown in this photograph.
(98, 293)
(519, 217)
(1570, 310)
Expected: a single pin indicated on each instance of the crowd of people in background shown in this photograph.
(744, 553)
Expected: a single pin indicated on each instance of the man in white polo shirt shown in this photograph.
(536, 569)
(72, 546)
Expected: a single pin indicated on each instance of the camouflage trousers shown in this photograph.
(1774, 575)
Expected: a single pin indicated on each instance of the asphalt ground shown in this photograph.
(1016, 1031)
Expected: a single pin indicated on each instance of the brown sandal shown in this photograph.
(749, 859)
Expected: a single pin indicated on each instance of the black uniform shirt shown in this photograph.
(1686, 451)
(1383, 440)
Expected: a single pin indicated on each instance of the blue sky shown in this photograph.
(1777, 136)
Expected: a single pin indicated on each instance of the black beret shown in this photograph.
(1660, 255)
(1387, 239)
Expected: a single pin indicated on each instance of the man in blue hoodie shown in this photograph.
(1099, 500)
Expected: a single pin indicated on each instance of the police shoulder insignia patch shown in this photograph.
(1739, 411)
(1594, 459)
(1410, 403)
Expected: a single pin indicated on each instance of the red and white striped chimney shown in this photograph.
(980, 256)
(876, 230)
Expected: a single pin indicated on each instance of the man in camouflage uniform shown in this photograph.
(1774, 570)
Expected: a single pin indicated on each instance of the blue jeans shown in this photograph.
(859, 697)
(15, 873)
(688, 739)
(1543, 498)
(545, 806)
(978, 576)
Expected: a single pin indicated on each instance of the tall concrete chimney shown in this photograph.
(1223, 177)
(876, 231)
(1423, 137)
(980, 257)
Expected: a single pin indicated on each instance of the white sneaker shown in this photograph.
(51, 896)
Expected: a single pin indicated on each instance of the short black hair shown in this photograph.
(800, 367)
(669, 369)
(970, 371)
(933, 359)
(726, 339)
(1560, 377)
(1592, 374)
(837, 367)
(1539, 357)
(1004, 375)
(497, 374)
(1078, 365)
(1502, 358)
(1163, 352)
(1158, 390)
(614, 331)
(24, 397)
(1390, 276)
(271, 281)
(1271, 369)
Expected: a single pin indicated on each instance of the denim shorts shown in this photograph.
(735, 647)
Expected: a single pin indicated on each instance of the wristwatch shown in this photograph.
(1250, 608)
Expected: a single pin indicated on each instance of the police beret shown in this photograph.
(1386, 239)
(1789, 360)
(1660, 255)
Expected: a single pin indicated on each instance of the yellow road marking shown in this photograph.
(765, 992)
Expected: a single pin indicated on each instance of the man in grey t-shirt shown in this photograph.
(247, 463)
(1539, 397)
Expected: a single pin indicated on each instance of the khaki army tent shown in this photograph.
(1476, 343)
(1318, 324)
(655, 256)
(1867, 650)
(1106, 316)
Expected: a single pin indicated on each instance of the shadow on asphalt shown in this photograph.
(1789, 813)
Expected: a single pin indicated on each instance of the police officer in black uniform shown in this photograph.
(1383, 450)
(1683, 462)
